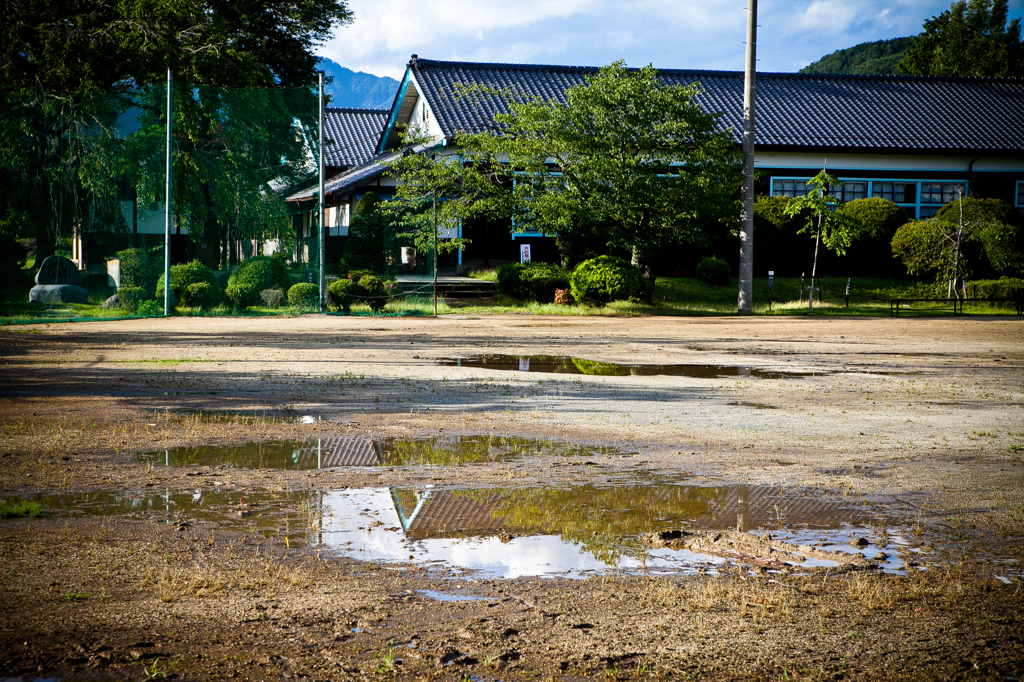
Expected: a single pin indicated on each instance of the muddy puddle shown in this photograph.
(557, 364)
(573, 531)
(347, 451)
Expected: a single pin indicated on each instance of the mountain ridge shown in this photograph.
(355, 89)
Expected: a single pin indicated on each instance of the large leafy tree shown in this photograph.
(624, 158)
(70, 69)
(972, 38)
(625, 153)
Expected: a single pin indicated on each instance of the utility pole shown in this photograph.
(167, 202)
(746, 293)
(435, 251)
(320, 203)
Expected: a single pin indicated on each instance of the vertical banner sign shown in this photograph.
(771, 283)
(847, 292)
(524, 253)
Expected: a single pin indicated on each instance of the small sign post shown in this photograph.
(771, 284)
(847, 292)
(524, 253)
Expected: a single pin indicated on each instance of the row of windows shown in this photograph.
(923, 199)
(1020, 193)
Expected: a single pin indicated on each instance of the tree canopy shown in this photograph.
(972, 38)
(78, 76)
(879, 57)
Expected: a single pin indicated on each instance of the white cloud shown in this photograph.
(668, 33)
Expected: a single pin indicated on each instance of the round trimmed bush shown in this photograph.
(342, 294)
(713, 271)
(606, 278)
(376, 292)
(257, 274)
(531, 281)
(304, 294)
(240, 296)
(193, 285)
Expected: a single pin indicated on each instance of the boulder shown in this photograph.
(57, 293)
(111, 303)
(58, 270)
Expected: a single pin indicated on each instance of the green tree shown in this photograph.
(964, 236)
(972, 38)
(624, 156)
(829, 226)
(626, 152)
(70, 69)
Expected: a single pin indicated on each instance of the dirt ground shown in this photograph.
(926, 412)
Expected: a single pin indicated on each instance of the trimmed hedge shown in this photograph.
(714, 271)
(304, 294)
(192, 285)
(603, 279)
(1005, 287)
(376, 292)
(129, 298)
(532, 281)
(343, 293)
(257, 274)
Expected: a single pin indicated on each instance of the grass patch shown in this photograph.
(16, 508)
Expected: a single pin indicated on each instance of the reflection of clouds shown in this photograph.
(364, 524)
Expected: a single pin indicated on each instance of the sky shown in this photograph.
(680, 34)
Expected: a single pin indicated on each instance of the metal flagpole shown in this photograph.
(167, 203)
(321, 202)
(746, 293)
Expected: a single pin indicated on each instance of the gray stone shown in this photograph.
(58, 270)
(111, 303)
(57, 293)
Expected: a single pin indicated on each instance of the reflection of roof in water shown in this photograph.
(447, 513)
(338, 451)
(767, 506)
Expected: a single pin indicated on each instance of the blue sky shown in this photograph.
(684, 34)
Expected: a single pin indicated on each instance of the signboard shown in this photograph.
(524, 253)
(771, 279)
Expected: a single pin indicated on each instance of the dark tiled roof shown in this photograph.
(355, 133)
(794, 111)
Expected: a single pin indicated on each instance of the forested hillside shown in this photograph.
(879, 57)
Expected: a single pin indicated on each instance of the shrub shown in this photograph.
(606, 278)
(239, 295)
(192, 285)
(150, 308)
(713, 271)
(563, 297)
(259, 273)
(376, 292)
(342, 293)
(356, 275)
(531, 281)
(272, 298)
(1005, 287)
(874, 218)
(875, 222)
(304, 295)
(131, 297)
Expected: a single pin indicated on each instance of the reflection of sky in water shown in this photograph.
(365, 524)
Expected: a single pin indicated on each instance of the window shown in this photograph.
(1020, 193)
(922, 199)
(787, 187)
(896, 192)
(853, 190)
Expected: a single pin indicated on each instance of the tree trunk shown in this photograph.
(814, 267)
(642, 260)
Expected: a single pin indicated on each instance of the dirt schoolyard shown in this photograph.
(896, 441)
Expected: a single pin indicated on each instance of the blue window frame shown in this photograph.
(921, 198)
